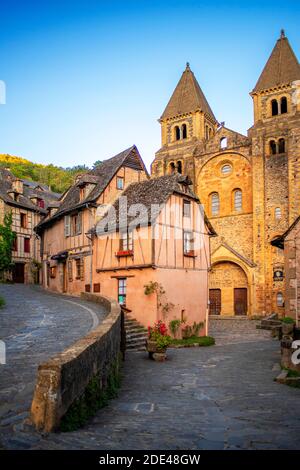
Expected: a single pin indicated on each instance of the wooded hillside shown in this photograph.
(58, 178)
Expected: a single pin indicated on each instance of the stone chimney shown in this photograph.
(17, 186)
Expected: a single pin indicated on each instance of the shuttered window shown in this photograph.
(26, 245)
(67, 226)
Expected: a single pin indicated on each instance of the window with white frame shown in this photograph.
(188, 242)
(126, 241)
(122, 288)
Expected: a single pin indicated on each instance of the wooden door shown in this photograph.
(18, 273)
(240, 301)
(214, 301)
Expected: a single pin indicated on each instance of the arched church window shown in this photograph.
(238, 200)
(183, 131)
(283, 105)
(206, 132)
(172, 168)
(177, 133)
(179, 167)
(274, 107)
(214, 203)
(277, 213)
(273, 149)
(279, 299)
(281, 146)
(223, 143)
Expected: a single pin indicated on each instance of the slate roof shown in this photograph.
(279, 240)
(100, 177)
(282, 67)
(187, 97)
(24, 201)
(155, 191)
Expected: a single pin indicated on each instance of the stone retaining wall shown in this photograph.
(63, 379)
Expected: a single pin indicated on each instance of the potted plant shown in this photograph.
(158, 341)
(288, 324)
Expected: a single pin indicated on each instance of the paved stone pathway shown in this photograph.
(220, 397)
(35, 325)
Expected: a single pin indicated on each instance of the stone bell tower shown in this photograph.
(275, 138)
(186, 121)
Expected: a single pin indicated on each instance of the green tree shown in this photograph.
(7, 237)
(97, 163)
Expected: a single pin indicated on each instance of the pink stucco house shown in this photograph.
(151, 251)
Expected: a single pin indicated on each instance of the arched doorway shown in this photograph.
(228, 289)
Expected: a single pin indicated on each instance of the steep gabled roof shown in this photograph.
(187, 97)
(24, 200)
(152, 194)
(279, 240)
(100, 178)
(282, 67)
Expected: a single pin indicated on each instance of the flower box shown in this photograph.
(190, 253)
(121, 253)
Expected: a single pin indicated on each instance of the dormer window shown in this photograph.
(41, 203)
(120, 182)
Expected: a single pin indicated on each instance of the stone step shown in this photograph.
(135, 335)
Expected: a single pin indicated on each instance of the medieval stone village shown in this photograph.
(141, 302)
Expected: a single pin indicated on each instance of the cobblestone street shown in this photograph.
(35, 325)
(220, 397)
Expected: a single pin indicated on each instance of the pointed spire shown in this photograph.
(282, 67)
(187, 97)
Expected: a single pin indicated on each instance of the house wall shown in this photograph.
(292, 270)
(158, 257)
(79, 246)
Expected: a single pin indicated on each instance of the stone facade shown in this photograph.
(249, 185)
(291, 242)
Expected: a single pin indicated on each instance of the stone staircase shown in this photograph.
(136, 335)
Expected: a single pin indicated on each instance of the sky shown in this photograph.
(86, 79)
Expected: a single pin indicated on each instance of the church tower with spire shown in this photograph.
(249, 184)
(186, 120)
(275, 139)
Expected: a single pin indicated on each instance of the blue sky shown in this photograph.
(86, 79)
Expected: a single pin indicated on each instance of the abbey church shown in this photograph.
(249, 185)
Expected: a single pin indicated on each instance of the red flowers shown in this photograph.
(158, 328)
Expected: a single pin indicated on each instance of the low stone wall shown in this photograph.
(64, 380)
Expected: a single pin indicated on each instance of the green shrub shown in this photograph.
(288, 320)
(2, 302)
(200, 340)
